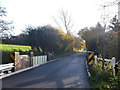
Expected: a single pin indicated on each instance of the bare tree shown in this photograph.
(65, 19)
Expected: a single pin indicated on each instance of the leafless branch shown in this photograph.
(66, 20)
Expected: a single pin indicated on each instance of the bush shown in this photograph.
(99, 79)
(6, 57)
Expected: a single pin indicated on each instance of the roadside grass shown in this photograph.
(10, 48)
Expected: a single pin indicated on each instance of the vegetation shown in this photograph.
(44, 39)
(97, 37)
(49, 39)
(103, 79)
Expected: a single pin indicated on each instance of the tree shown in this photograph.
(49, 39)
(5, 26)
(112, 44)
(93, 37)
(77, 43)
(94, 40)
(65, 18)
(44, 37)
(115, 25)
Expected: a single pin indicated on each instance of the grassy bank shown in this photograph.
(10, 48)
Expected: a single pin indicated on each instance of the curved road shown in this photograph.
(67, 72)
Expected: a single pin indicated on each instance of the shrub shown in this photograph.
(6, 57)
(100, 78)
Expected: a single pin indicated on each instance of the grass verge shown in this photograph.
(9, 48)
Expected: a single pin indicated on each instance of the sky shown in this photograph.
(84, 13)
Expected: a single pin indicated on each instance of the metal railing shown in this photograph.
(6, 67)
(39, 59)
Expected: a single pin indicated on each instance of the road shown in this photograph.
(67, 72)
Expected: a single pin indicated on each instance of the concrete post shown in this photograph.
(17, 60)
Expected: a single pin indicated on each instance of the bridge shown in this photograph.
(66, 72)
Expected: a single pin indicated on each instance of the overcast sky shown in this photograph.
(84, 13)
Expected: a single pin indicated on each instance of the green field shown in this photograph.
(9, 47)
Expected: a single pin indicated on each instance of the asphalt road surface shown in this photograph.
(67, 72)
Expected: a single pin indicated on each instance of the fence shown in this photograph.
(111, 63)
(22, 62)
(39, 59)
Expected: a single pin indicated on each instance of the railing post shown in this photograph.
(31, 58)
(95, 60)
(17, 61)
(48, 56)
(113, 65)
